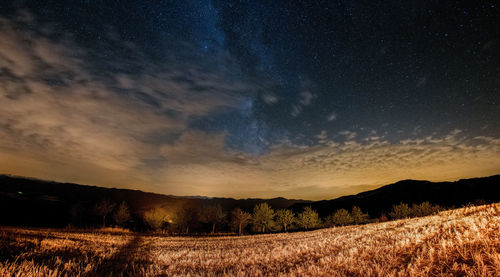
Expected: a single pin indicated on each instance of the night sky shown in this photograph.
(300, 99)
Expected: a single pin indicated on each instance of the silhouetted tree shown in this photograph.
(263, 217)
(155, 218)
(341, 217)
(121, 214)
(358, 217)
(76, 211)
(214, 215)
(103, 208)
(285, 218)
(186, 217)
(240, 219)
(400, 210)
(308, 218)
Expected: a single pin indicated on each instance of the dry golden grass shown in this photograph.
(453, 243)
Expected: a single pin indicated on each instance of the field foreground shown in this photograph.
(457, 242)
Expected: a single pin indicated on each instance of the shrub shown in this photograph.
(358, 217)
(155, 218)
(383, 218)
(308, 218)
(341, 217)
(424, 209)
(400, 211)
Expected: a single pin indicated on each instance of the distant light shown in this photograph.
(19, 192)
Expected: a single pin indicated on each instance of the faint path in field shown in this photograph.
(123, 262)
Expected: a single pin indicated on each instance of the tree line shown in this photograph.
(262, 219)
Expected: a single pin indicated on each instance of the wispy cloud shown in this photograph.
(322, 136)
(349, 135)
(306, 99)
(58, 108)
(332, 116)
(269, 98)
(349, 164)
(63, 118)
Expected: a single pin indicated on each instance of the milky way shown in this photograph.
(309, 99)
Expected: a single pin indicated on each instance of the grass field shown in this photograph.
(453, 243)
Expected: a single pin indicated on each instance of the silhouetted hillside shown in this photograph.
(33, 202)
(382, 199)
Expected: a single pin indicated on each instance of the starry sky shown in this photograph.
(300, 99)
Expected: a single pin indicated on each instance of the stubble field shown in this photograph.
(453, 243)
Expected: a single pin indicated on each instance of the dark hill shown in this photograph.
(446, 194)
(33, 202)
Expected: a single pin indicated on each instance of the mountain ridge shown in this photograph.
(381, 200)
(34, 201)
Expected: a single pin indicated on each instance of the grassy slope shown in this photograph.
(458, 242)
